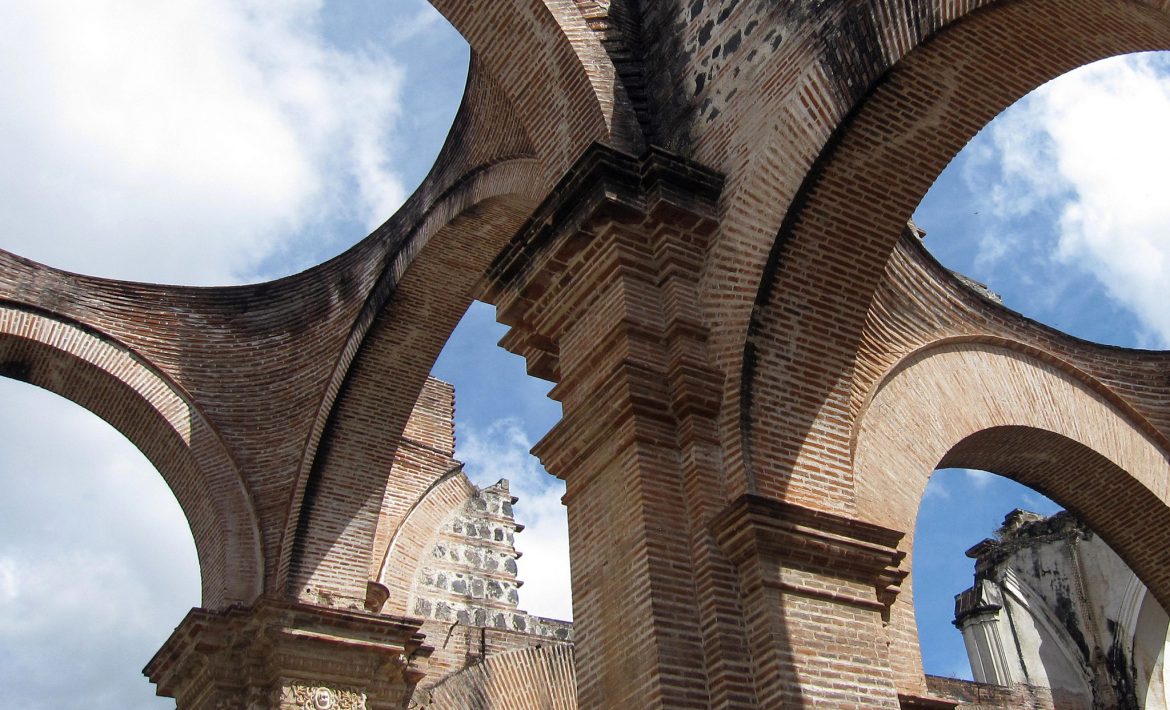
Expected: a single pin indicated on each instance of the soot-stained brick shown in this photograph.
(732, 42)
(16, 369)
(851, 51)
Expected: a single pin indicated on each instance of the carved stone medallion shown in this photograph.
(319, 697)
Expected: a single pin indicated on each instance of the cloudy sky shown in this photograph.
(214, 142)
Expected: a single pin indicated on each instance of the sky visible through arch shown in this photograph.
(209, 142)
(1058, 205)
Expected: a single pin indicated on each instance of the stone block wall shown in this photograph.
(448, 550)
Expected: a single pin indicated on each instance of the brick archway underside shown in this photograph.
(830, 257)
(992, 407)
(110, 381)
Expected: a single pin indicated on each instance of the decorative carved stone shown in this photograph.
(296, 655)
(321, 697)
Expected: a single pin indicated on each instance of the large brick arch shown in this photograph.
(839, 230)
(329, 542)
(551, 65)
(112, 382)
(1018, 413)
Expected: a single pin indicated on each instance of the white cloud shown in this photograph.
(502, 452)
(979, 480)
(97, 563)
(186, 141)
(415, 24)
(1020, 154)
(936, 490)
(1091, 146)
(1109, 125)
(9, 581)
(193, 141)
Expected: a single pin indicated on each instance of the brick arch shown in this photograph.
(538, 677)
(986, 406)
(838, 232)
(329, 538)
(415, 536)
(108, 379)
(561, 82)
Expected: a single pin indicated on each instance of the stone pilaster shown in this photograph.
(279, 654)
(978, 615)
(817, 591)
(601, 293)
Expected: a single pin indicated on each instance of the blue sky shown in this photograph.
(211, 142)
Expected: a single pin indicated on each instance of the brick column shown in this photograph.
(817, 593)
(600, 291)
(291, 656)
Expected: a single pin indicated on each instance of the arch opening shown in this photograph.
(941, 540)
(97, 562)
(854, 205)
(110, 381)
(1050, 204)
(472, 536)
(498, 419)
(978, 406)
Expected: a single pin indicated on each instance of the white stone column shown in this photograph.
(978, 614)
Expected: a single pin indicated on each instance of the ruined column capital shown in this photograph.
(290, 655)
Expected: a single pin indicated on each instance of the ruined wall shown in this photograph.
(982, 696)
(536, 678)
(1054, 607)
(690, 213)
(447, 550)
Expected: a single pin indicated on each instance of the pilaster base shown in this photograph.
(817, 593)
(280, 654)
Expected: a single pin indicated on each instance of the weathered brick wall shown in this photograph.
(423, 457)
(954, 379)
(108, 379)
(981, 696)
(832, 250)
(460, 646)
(715, 339)
(445, 549)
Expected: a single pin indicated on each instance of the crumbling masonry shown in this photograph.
(1053, 607)
(691, 215)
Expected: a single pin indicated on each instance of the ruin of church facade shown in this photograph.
(450, 559)
(1053, 606)
(692, 217)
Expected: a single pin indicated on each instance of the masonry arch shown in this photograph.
(427, 290)
(837, 237)
(576, 98)
(985, 406)
(109, 380)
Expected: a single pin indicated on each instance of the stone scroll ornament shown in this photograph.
(309, 697)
